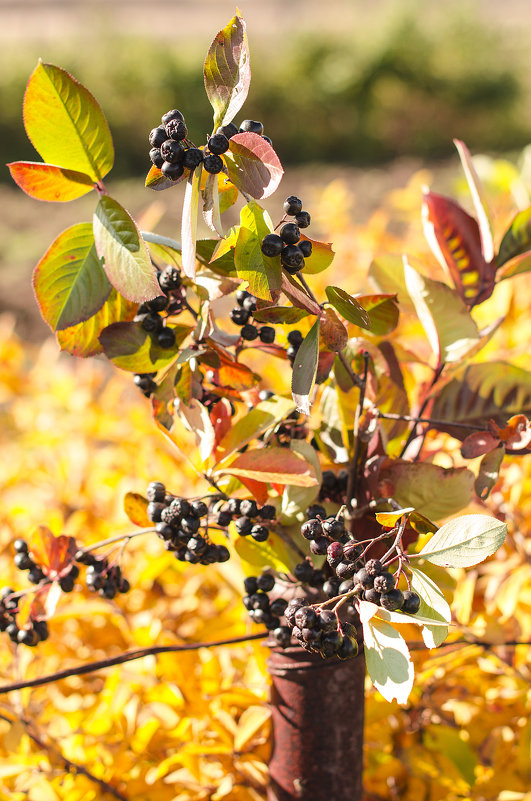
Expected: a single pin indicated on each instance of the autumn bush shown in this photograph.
(195, 724)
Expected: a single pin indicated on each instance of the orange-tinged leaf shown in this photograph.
(280, 465)
(69, 281)
(234, 374)
(54, 555)
(390, 519)
(48, 182)
(258, 489)
(135, 507)
(227, 71)
(65, 123)
(156, 180)
(517, 433)
(220, 417)
(383, 312)
(132, 348)
(83, 339)
(321, 257)
(39, 605)
(332, 331)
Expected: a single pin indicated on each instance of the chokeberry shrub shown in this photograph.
(322, 485)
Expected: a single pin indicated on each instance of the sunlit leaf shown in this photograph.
(387, 656)
(135, 507)
(66, 124)
(434, 491)
(348, 307)
(383, 312)
(333, 332)
(273, 464)
(390, 519)
(517, 239)
(163, 248)
(189, 222)
(288, 315)
(455, 239)
(295, 500)
(481, 392)
(253, 166)
(125, 256)
(262, 273)
(69, 281)
(227, 71)
(433, 604)
(298, 296)
(305, 368)
(265, 415)
(132, 348)
(211, 209)
(83, 339)
(465, 541)
(272, 553)
(321, 257)
(157, 181)
(54, 555)
(48, 182)
(479, 199)
(489, 471)
(450, 329)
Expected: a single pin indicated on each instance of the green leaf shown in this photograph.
(131, 348)
(331, 426)
(262, 273)
(272, 464)
(272, 553)
(125, 256)
(189, 222)
(256, 422)
(83, 339)
(348, 307)
(450, 329)
(383, 312)
(465, 541)
(69, 281)
(253, 166)
(48, 182)
(387, 656)
(489, 471)
(433, 604)
(227, 71)
(481, 392)
(517, 266)
(295, 500)
(517, 238)
(434, 491)
(163, 248)
(305, 369)
(65, 124)
(288, 315)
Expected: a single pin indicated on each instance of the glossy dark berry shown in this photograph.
(123, 586)
(172, 151)
(172, 171)
(347, 649)
(266, 334)
(251, 584)
(223, 553)
(364, 578)
(259, 533)
(267, 512)
(243, 526)
(239, 316)
(292, 259)
(233, 506)
(158, 304)
(292, 205)
(266, 582)
(218, 144)
(197, 544)
(252, 126)
(223, 518)
(157, 136)
(267, 139)
(282, 636)
(192, 158)
(293, 605)
(173, 114)
(155, 491)
(411, 603)
(327, 621)
(156, 157)
(166, 338)
(212, 163)
(35, 575)
(335, 550)
(41, 629)
(334, 528)
(249, 303)
(249, 332)
(372, 595)
(311, 529)
(151, 322)
(67, 583)
(154, 511)
(249, 508)
(176, 129)
(190, 524)
(392, 600)
(227, 130)
(170, 278)
(278, 607)
(331, 587)
(346, 586)
(319, 546)
(20, 546)
(303, 219)
(23, 561)
(305, 617)
(289, 233)
(295, 338)
(28, 637)
(315, 510)
(199, 508)
(303, 571)
(345, 570)
(306, 246)
(242, 295)
(271, 245)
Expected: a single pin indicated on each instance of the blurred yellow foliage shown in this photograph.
(75, 436)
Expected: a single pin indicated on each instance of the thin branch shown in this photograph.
(117, 538)
(304, 283)
(410, 419)
(352, 484)
(128, 656)
(413, 432)
(356, 380)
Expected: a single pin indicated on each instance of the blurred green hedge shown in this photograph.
(376, 95)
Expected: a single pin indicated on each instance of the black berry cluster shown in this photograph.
(183, 525)
(377, 585)
(33, 632)
(288, 243)
(23, 561)
(334, 486)
(170, 150)
(264, 610)
(319, 630)
(248, 518)
(153, 314)
(242, 315)
(102, 576)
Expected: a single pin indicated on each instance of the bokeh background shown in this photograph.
(362, 101)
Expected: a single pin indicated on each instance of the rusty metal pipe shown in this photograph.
(318, 713)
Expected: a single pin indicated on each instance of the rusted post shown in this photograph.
(318, 712)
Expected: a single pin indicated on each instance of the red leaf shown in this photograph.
(48, 182)
(455, 239)
(298, 296)
(220, 417)
(257, 488)
(39, 605)
(279, 465)
(253, 165)
(478, 443)
(333, 332)
(54, 555)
